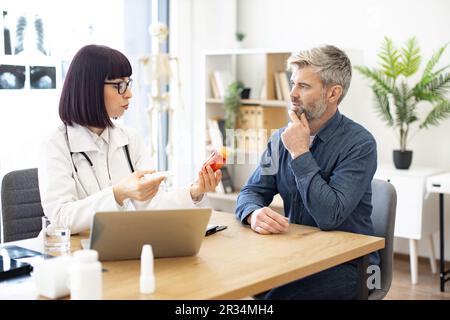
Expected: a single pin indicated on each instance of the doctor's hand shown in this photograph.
(207, 182)
(132, 187)
(296, 136)
(267, 221)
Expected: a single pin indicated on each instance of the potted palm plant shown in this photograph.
(396, 99)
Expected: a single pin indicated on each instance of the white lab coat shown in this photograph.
(70, 198)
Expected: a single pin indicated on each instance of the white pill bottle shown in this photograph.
(85, 276)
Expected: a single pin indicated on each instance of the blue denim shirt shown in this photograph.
(328, 187)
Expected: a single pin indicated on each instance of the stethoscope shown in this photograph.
(127, 153)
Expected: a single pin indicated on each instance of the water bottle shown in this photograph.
(86, 276)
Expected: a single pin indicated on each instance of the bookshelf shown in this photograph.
(257, 69)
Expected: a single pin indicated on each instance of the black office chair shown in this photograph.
(384, 201)
(21, 205)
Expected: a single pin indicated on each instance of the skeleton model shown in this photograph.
(160, 70)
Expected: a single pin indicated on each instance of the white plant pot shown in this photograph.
(239, 44)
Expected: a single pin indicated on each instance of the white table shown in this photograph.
(413, 221)
(441, 184)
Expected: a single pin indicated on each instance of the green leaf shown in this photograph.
(408, 103)
(391, 58)
(410, 58)
(428, 71)
(439, 112)
(400, 108)
(436, 73)
(232, 102)
(436, 88)
(396, 103)
(382, 106)
(377, 78)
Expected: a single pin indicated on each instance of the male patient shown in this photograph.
(322, 165)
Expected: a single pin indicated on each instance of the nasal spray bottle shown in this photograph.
(147, 279)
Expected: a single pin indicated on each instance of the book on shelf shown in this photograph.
(215, 135)
(257, 123)
(263, 95)
(284, 85)
(278, 92)
(261, 117)
(214, 88)
(221, 123)
(222, 79)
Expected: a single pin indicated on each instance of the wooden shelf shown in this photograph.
(214, 100)
(267, 103)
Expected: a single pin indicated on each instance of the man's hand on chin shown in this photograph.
(296, 136)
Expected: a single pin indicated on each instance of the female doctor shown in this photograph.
(89, 164)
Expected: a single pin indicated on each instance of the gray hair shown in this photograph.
(331, 63)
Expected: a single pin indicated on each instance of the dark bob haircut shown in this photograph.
(82, 99)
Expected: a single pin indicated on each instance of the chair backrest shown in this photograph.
(384, 201)
(21, 205)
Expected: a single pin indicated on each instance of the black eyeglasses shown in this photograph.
(121, 86)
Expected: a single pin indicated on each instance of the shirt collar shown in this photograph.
(81, 139)
(101, 139)
(117, 137)
(105, 135)
(330, 127)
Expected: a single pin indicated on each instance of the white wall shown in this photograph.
(196, 26)
(360, 25)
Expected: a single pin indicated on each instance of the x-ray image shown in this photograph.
(24, 34)
(42, 77)
(12, 77)
(6, 34)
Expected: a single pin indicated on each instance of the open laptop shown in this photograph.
(120, 235)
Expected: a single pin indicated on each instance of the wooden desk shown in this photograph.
(237, 262)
